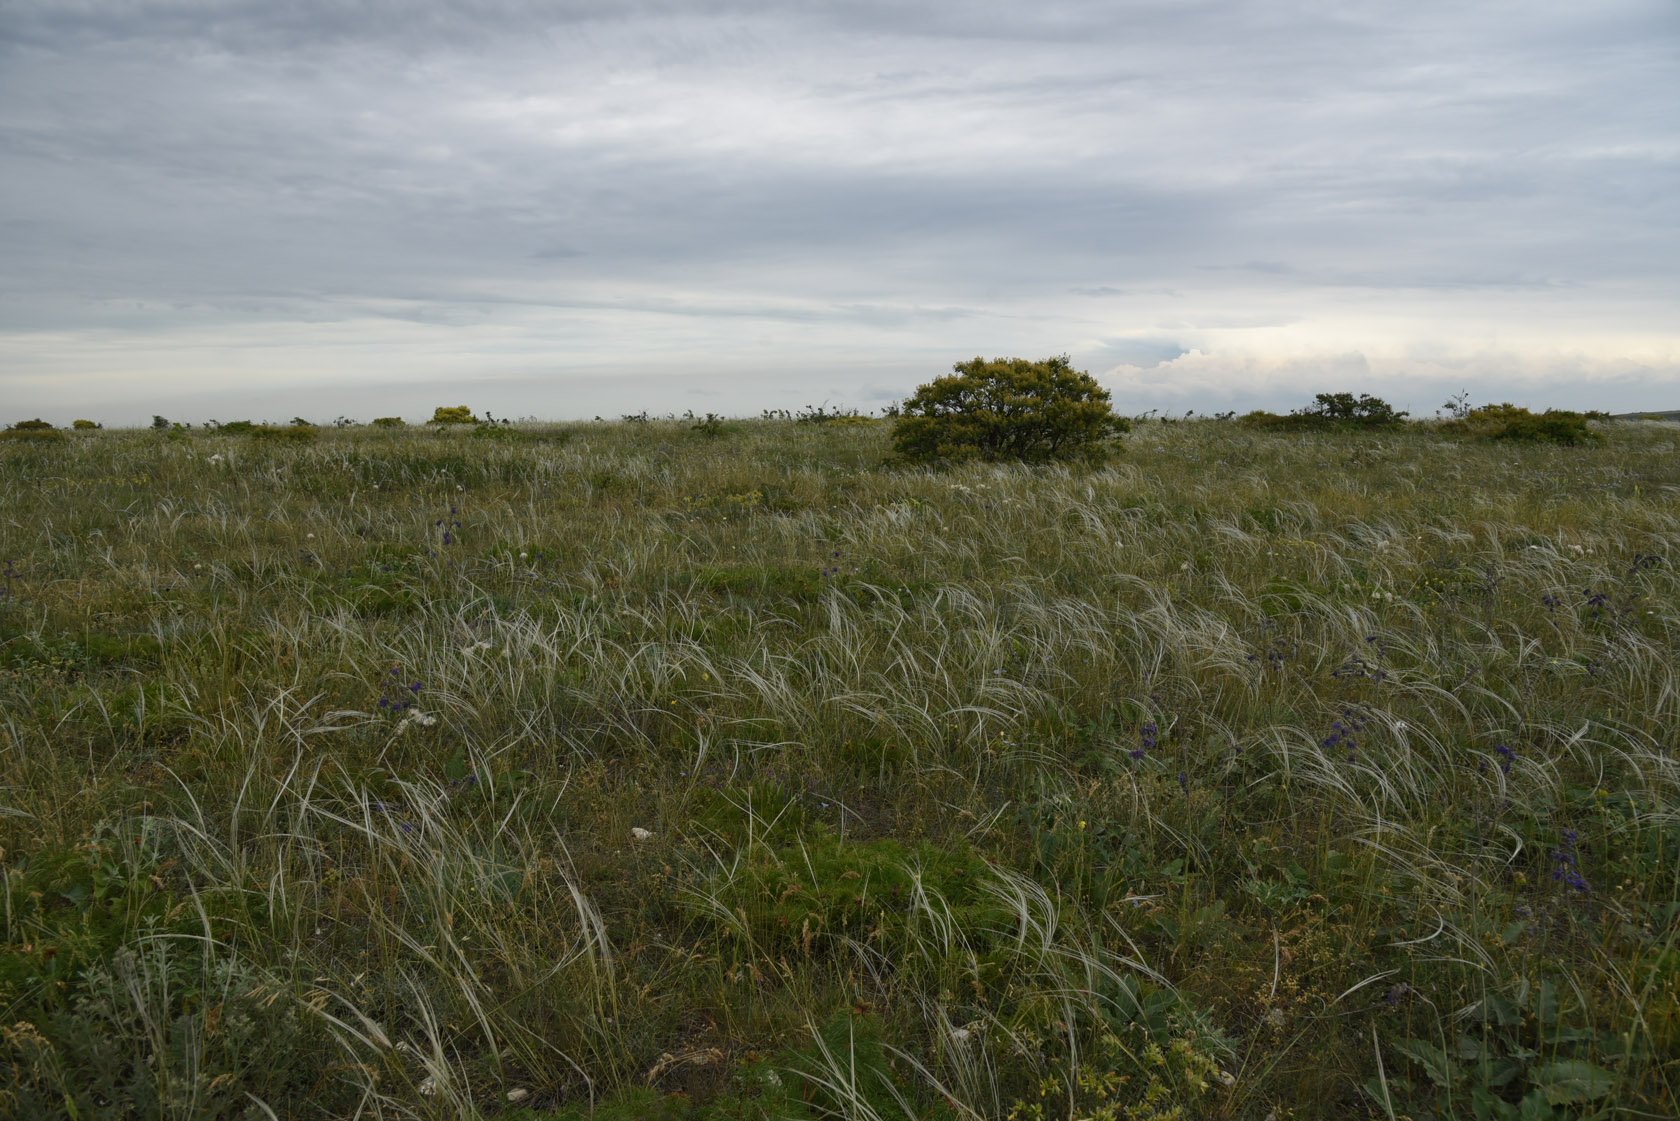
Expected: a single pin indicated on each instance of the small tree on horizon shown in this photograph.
(1008, 409)
(457, 414)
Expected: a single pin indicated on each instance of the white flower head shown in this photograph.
(637, 833)
(415, 716)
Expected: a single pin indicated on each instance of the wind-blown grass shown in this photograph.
(646, 772)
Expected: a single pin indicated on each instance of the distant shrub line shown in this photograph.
(1331, 411)
(992, 410)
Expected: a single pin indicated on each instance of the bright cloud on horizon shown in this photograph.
(223, 209)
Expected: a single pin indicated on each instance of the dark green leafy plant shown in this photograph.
(1008, 409)
(1516, 1060)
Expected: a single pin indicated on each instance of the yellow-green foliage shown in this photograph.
(1007, 409)
(457, 414)
(84, 425)
(388, 422)
(658, 774)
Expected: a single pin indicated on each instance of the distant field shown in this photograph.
(645, 772)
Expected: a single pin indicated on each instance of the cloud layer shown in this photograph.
(571, 208)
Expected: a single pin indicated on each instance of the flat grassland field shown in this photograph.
(644, 772)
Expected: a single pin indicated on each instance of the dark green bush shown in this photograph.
(238, 428)
(1330, 411)
(388, 422)
(1513, 422)
(1008, 409)
(84, 425)
(1364, 411)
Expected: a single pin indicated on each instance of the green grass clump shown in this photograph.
(285, 433)
(652, 772)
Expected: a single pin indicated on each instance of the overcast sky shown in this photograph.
(322, 207)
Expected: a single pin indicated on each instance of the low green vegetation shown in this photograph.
(1512, 422)
(1330, 411)
(35, 431)
(693, 770)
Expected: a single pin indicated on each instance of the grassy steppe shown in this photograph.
(665, 774)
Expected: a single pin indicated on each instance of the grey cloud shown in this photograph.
(1143, 353)
(813, 183)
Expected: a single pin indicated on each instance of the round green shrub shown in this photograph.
(1008, 409)
(459, 414)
